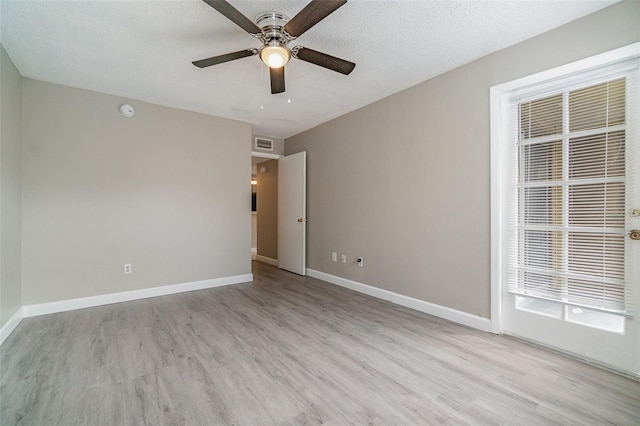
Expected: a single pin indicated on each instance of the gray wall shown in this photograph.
(165, 191)
(10, 188)
(268, 209)
(405, 182)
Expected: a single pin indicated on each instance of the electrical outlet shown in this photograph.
(127, 268)
(344, 258)
(334, 256)
(360, 262)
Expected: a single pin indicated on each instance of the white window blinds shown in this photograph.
(568, 235)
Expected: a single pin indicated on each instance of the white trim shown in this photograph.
(266, 155)
(11, 325)
(126, 296)
(454, 315)
(267, 260)
(496, 151)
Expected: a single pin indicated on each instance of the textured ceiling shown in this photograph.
(143, 50)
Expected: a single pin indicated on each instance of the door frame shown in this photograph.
(266, 155)
(269, 156)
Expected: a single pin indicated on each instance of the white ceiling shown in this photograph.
(143, 50)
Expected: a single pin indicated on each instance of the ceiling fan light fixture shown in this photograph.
(275, 55)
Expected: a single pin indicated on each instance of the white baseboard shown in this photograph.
(11, 325)
(125, 296)
(268, 260)
(454, 315)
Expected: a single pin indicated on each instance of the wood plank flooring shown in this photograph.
(290, 350)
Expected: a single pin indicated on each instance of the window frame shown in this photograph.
(502, 134)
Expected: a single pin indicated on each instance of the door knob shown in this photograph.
(634, 234)
(301, 220)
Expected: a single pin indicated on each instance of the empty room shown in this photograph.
(299, 212)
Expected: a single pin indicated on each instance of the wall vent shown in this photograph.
(262, 143)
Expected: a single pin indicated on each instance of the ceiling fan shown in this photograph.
(275, 31)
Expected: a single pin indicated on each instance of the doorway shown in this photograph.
(264, 225)
(565, 205)
(279, 223)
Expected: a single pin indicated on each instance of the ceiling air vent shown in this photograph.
(262, 143)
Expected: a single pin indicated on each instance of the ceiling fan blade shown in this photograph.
(312, 13)
(277, 80)
(214, 60)
(323, 60)
(233, 15)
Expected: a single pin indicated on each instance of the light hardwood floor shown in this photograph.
(290, 350)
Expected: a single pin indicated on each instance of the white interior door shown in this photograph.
(292, 219)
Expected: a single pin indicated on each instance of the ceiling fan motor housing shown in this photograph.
(272, 26)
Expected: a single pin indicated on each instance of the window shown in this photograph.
(570, 144)
(571, 197)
